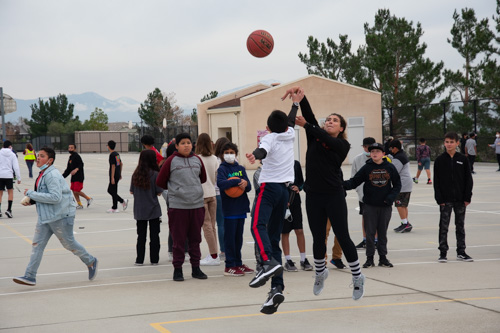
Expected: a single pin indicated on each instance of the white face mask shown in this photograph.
(498, 135)
(229, 158)
(367, 153)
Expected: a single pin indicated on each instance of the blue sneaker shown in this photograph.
(93, 270)
(25, 280)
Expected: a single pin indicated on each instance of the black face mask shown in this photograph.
(71, 152)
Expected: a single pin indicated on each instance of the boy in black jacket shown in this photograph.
(381, 186)
(452, 191)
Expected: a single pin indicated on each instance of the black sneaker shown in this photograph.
(305, 265)
(361, 245)
(269, 269)
(290, 266)
(442, 257)
(9, 214)
(407, 227)
(384, 262)
(400, 228)
(369, 262)
(337, 263)
(274, 299)
(198, 274)
(178, 276)
(464, 257)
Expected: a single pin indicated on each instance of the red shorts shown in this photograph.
(76, 186)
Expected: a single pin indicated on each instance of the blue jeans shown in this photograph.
(63, 229)
(29, 163)
(220, 224)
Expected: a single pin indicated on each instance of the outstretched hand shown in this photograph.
(250, 157)
(295, 93)
(300, 121)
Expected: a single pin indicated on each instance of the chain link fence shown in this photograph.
(433, 121)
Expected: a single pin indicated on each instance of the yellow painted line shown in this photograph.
(16, 233)
(159, 326)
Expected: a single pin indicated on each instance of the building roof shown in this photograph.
(232, 103)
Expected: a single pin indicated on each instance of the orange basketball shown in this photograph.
(235, 191)
(260, 43)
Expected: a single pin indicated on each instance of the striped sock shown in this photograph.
(320, 265)
(355, 268)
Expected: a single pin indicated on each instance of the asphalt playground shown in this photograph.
(417, 295)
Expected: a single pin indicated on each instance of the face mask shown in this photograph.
(70, 151)
(367, 153)
(498, 135)
(45, 166)
(229, 158)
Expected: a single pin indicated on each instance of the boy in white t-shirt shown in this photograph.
(276, 152)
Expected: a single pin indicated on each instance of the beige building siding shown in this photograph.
(326, 96)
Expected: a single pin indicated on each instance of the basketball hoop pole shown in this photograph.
(3, 113)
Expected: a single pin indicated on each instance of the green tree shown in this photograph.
(56, 109)
(194, 117)
(98, 121)
(209, 96)
(159, 106)
(470, 38)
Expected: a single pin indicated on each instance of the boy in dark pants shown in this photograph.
(234, 209)
(452, 191)
(115, 175)
(381, 187)
(276, 153)
(182, 174)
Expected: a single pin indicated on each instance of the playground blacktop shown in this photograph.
(417, 295)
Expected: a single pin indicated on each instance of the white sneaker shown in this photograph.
(358, 287)
(209, 261)
(111, 210)
(125, 204)
(170, 256)
(319, 282)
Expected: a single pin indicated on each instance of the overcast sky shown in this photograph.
(122, 48)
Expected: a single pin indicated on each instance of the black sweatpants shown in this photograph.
(320, 207)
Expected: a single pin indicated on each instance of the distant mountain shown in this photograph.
(121, 109)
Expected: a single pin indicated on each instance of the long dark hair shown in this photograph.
(204, 145)
(343, 124)
(142, 174)
(219, 145)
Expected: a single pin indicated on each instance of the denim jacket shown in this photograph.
(53, 197)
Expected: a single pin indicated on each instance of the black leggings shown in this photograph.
(319, 207)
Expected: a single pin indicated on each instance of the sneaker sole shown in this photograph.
(383, 265)
(465, 260)
(261, 280)
(443, 261)
(272, 308)
(25, 283)
(232, 274)
(291, 269)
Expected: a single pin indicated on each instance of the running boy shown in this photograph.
(381, 187)
(276, 153)
(234, 209)
(182, 174)
(452, 191)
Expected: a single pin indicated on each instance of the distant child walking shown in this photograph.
(423, 152)
(146, 206)
(182, 175)
(496, 145)
(115, 174)
(452, 191)
(381, 187)
(234, 209)
(29, 157)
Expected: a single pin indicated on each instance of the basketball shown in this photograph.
(235, 191)
(260, 43)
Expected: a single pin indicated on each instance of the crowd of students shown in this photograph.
(206, 189)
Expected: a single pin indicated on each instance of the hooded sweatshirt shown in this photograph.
(9, 164)
(402, 163)
(381, 183)
(233, 206)
(183, 176)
